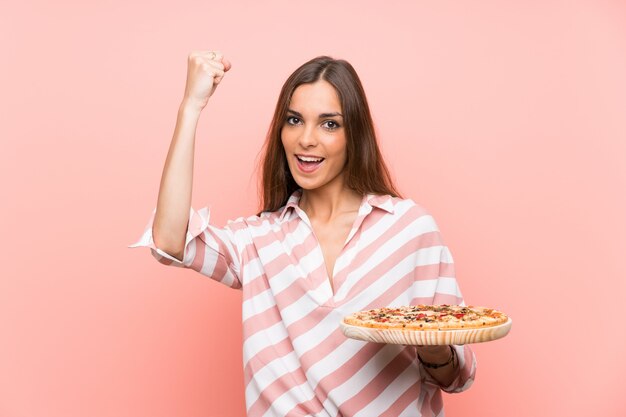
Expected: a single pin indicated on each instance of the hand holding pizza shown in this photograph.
(434, 350)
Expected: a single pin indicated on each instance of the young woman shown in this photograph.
(333, 237)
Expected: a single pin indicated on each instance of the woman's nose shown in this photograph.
(308, 137)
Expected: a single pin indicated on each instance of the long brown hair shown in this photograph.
(366, 171)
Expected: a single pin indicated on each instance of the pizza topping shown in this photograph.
(428, 317)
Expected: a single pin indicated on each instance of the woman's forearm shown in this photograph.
(174, 200)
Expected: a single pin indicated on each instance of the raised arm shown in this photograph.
(205, 71)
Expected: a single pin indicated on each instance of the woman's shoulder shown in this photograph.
(404, 205)
(413, 214)
(254, 220)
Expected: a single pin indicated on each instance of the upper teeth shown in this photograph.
(309, 158)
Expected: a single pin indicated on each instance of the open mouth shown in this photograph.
(309, 163)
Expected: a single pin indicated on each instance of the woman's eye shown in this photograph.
(332, 125)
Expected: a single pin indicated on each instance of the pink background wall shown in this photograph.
(507, 120)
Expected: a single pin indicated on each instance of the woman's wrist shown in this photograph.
(436, 356)
(191, 106)
(439, 363)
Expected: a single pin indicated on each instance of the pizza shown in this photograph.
(427, 317)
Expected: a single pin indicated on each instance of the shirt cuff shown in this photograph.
(467, 369)
(198, 222)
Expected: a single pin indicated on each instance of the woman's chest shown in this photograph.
(332, 238)
(291, 266)
(295, 265)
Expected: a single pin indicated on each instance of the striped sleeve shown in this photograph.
(447, 291)
(209, 250)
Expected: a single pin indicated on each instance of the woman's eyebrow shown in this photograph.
(321, 116)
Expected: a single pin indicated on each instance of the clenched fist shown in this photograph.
(205, 70)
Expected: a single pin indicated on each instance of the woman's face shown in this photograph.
(314, 138)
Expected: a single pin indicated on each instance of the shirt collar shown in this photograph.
(292, 203)
(383, 202)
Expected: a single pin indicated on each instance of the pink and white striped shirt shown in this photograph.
(296, 360)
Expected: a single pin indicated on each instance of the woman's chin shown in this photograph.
(317, 182)
(305, 185)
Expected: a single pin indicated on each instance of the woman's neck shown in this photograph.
(325, 204)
